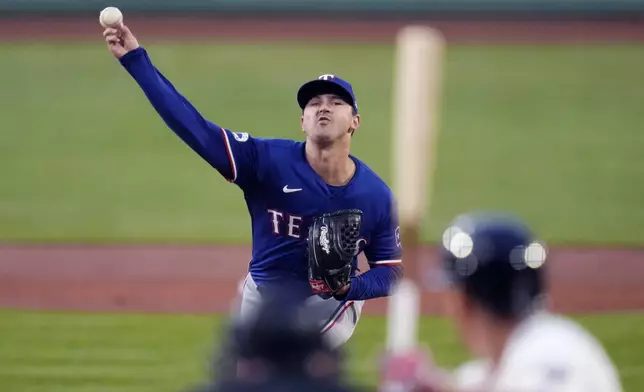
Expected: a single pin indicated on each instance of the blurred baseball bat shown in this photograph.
(418, 87)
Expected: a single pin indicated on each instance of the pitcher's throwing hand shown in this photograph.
(120, 40)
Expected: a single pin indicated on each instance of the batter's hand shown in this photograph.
(413, 371)
(120, 40)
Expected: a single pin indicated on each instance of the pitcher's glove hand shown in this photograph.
(332, 246)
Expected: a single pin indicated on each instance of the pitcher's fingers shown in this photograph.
(125, 31)
(112, 39)
(110, 31)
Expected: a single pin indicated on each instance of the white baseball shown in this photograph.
(110, 17)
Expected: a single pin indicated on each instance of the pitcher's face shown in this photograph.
(328, 118)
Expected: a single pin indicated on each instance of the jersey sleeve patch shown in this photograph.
(244, 154)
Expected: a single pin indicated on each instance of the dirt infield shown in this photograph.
(199, 279)
(204, 278)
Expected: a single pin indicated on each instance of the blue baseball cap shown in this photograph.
(327, 84)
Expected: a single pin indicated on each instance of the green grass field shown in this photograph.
(69, 352)
(551, 132)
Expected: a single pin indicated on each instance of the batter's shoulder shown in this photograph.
(549, 334)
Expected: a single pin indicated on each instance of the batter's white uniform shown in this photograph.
(337, 319)
(546, 353)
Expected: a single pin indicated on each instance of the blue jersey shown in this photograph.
(282, 192)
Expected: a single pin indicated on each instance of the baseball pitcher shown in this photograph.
(313, 206)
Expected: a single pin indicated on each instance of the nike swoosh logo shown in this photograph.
(286, 189)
